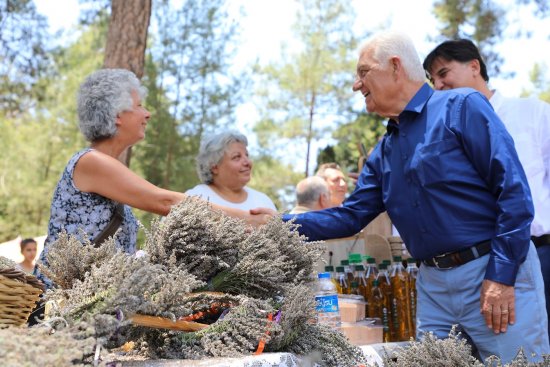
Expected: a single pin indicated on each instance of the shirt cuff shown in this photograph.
(501, 271)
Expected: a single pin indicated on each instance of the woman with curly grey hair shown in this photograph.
(96, 188)
(225, 169)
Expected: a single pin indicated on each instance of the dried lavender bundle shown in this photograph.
(70, 258)
(270, 258)
(195, 236)
(6, 263)
(299, 255)
(297, 309)
(431, 351)
(334, 348)
(241, 330)
(37, 346)
(129, 285)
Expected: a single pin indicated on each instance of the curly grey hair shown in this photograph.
(212, 150)
(102, 96)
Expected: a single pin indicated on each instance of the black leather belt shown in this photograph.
(453, 259)
(541, 240)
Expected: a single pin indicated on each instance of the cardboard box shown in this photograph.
(352, 308)
(362, 333)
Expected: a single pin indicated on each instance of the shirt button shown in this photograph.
(409, 180)
(415, 204)
(423, 230)
(405, 157)
(403, 134)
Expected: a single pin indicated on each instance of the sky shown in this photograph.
(267, 25)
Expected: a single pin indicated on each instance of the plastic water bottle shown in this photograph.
(326, 300)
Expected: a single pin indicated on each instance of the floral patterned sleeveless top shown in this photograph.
(73, 209)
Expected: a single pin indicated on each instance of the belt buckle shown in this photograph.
(434, 259)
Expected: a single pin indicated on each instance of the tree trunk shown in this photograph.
(127, 40)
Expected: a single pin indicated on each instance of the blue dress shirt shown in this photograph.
(449, 176)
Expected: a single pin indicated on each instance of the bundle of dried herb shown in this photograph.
(6, 263)
(200, 266)
(42, 346)
(70, 260)
(197, 238)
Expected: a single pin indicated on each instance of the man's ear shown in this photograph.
(475, 67)
(395, 65)
(324, 200)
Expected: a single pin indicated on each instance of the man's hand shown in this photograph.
(259, 216)
(266, 211)
(497, 305)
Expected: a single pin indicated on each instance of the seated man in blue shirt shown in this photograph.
(450, 179)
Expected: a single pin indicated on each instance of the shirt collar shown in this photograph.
(415, 105)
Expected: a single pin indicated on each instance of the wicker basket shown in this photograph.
(18, 296)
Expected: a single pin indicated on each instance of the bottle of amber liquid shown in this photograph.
(400, 300)
(377, 304)
(342, 284)
(371, 273)
(412, 271)
(386, 288)
(348, 269)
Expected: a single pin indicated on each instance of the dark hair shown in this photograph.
(461, 50)
(25, 242)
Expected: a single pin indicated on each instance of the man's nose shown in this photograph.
(438, 84)
(358, 84)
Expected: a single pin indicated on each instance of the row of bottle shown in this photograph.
(390, 294)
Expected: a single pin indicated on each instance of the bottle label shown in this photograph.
(327, 303)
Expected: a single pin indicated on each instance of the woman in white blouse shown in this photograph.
(224, 168)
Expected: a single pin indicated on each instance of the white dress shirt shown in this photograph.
(528, 122)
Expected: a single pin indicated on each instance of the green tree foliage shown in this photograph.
(540, 83)
(191, 89)
(310, 89)
(37, 144)
(482, 21)
(23, 55)
(367, 129)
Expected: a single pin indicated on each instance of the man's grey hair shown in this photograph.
(310, 189)
(211, 152)
(322, 170)
(102, 96)
(392, 43)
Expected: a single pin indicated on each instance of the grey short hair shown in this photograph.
(211, 152)
(310, 189)
(322, 171)
(102, 96)
(392, 43)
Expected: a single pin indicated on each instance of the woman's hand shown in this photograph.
(260, 216)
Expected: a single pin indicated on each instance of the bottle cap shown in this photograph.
(329, 268)
(397, 259)
(354, 258)
(410, 260)
(323, 275)
(339, 269)
(359, 267)
(344, 262)
(383, 266)
(371, 260)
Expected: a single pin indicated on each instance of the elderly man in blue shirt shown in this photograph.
(450, 179)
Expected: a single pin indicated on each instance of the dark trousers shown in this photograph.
(544, 256)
